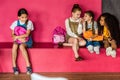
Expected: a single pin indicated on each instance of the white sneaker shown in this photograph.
(90, 49)
(97, 49)
(113, 53)
(108, 51)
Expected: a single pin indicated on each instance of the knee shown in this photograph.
(106, 45)
(75, 41)
(82, 43)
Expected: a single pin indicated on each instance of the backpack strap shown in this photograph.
(24, 25)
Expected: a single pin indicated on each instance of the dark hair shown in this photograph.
(76, 7)
(112, 24)
(23, 11)
(91, 14)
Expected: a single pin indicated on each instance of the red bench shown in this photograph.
(46, 57)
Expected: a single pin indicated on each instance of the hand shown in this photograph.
(23, 40)
(90, 39)
(80, 39)
(15, 38)
(81, 20)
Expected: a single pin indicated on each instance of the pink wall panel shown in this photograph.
(45, 14)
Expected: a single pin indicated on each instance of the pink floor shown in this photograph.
(46, 57)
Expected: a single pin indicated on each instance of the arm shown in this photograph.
(96, 34)
(24, 35)
(84, 29)
(13, 35)
(80, 29)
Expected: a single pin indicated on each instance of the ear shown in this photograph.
(91, 18)
(72, 13)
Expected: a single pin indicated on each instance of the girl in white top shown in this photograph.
(28, 25)
(74, 31)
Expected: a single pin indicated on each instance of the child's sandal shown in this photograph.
(79, 59)
(16, 71)
(29, 70)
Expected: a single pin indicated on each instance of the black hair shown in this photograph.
(112, 24)
(23, 11)
(91, 14)
(76, 7)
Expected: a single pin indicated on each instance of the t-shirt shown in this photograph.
(106, 32)
(89, 26)
(29, 25)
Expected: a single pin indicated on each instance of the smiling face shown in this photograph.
(23, 17)
(76, 14)
(102, 21)
(87, 17)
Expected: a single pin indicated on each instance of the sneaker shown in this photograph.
(15, 69)
(90, 49)
(113, 53)
(29, 70)
(108, 51)
(97, 49)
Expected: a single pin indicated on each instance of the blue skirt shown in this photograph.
(29, 43)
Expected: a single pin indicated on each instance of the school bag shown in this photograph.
(20, 31)
(58, 35)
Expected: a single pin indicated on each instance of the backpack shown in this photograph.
(58, 35)
(88, 34)
(20, 31)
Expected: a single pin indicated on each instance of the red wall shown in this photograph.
(45, 14)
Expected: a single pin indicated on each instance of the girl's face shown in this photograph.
(87, 17)
(23, 17)
(76, 15)
(102, 21)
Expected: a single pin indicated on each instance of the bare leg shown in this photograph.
(14, 54)
(25, 54)
(75, 46)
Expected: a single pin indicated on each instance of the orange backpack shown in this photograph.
(88, 34)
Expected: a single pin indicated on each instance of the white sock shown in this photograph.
(90, 48)
(97, 49)
(35, 76)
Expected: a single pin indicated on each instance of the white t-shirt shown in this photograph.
(69, 32)
(29, 25)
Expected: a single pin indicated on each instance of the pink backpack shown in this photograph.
(58, 35)
(20, 31)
